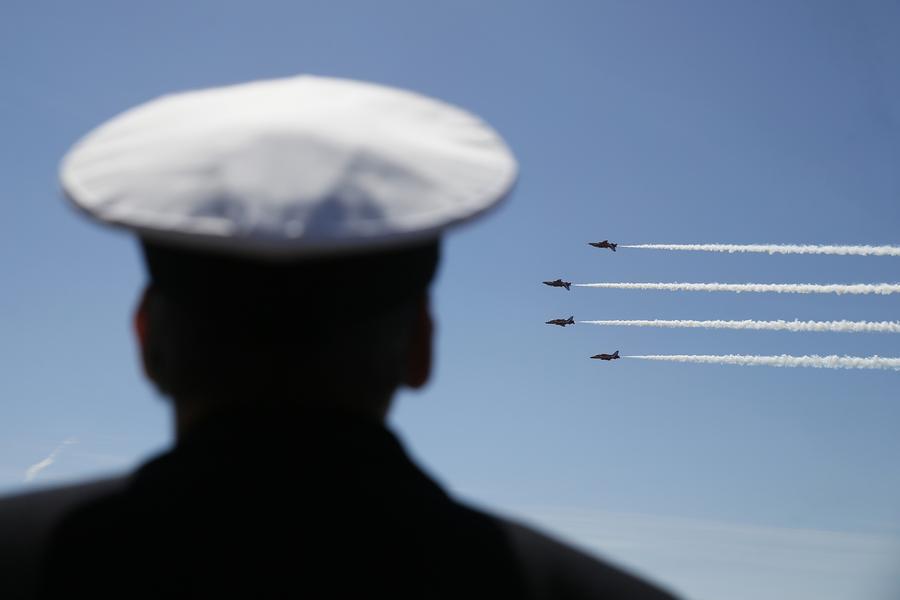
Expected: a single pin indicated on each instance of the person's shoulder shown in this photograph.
(23, 511)
(555, 569)
(27, 519)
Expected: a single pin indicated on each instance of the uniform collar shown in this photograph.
(242, 448)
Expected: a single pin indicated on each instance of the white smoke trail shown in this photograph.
(779, 288)
(837, 326)
(822, 362)
(776, 249)
(34, 470)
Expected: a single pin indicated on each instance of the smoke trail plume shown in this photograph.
(837, 326)
(779, 288)
(34, 470)
(776, 249)
(822, 362)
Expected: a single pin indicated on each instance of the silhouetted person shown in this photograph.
(290, 230)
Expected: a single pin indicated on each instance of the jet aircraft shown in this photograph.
(562, 322)
(612, 356)
(604, 244)
(558, 283)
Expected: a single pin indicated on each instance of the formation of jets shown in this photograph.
(604, 244)
(566, 284)
(562, 322)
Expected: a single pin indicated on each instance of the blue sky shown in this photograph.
(641, 122)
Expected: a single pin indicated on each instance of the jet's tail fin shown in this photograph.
(567, 285)
(614, 247)
(616, 354)
(572, 319)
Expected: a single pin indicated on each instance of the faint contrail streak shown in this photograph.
(34, 470)
(779, 288)
(838, 326)
(776, 249)
(783, 360)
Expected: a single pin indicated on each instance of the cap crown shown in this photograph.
(289, 167)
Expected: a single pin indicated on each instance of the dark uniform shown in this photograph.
(321, 506)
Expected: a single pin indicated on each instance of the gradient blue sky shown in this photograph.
(638, 121)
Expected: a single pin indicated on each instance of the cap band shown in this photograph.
(310, 289)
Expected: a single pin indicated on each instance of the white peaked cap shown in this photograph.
(290, 167)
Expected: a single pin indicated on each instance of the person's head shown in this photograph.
(218, 332)
(290, 231)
